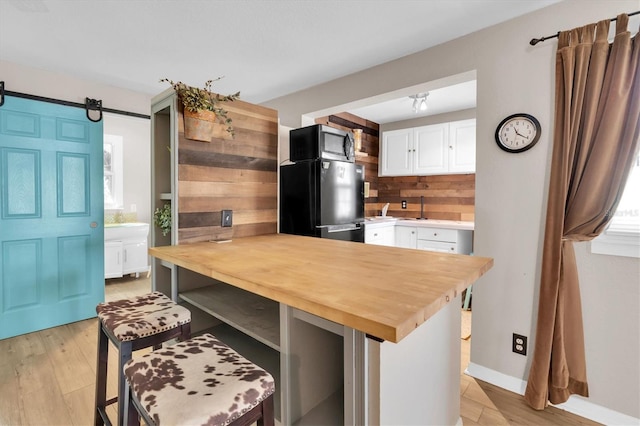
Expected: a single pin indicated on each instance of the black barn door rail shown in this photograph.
(89, 104)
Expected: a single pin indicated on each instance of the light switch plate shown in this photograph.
(227, 218)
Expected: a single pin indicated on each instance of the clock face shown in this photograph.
(518, 132)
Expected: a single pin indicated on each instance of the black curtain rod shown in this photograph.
(90, 104)
(535, 41)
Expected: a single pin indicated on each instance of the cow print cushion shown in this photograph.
(200, 381)
(146, 315)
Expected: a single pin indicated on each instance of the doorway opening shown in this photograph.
(450, 99)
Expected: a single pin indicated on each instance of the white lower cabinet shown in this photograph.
(406, 237)
(445, 240)
(442, 247)
(122, 258)
(382, 236)
(135, 257)
(113, 259)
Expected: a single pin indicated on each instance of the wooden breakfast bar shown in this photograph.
(361, 334)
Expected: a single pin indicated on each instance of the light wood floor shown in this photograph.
(48, 378)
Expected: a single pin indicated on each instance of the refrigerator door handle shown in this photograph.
(341, 228)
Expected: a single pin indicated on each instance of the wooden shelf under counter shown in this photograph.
(250, 313)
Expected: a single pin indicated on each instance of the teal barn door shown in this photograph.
(51, 216)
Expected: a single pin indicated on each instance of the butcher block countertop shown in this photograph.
(385, 292)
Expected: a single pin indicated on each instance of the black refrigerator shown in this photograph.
(322, 198)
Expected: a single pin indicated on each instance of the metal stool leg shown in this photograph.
(133, 417)
(124, 354)
(101, 377)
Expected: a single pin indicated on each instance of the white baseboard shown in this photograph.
(576, 404)
(494, 377)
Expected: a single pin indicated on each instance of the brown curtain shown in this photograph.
(597, 126)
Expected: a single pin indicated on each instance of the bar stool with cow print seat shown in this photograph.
(200, 381)
(132, 324)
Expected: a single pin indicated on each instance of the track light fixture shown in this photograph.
(419, 102)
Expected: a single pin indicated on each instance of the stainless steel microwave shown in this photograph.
(321, 142)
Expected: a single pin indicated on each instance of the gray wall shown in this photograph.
(511, 192)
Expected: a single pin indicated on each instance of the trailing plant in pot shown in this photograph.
(202, 108)
(162, 218)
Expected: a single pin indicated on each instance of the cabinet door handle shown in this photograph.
(435, 234)
(375, 235)
(118, 258)
(125, 256)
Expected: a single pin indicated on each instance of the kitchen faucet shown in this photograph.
(422, 208)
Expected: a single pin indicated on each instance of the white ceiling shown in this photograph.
(264, 48)
(439, 101)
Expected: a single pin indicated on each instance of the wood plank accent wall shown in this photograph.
(370, 146)
(238, 174)
(446, 197)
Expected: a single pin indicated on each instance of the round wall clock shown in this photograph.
(518, 132)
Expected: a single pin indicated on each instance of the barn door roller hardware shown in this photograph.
(93, 105)
(89, 104)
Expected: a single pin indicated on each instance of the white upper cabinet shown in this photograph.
(429, 150)
(396, 157)
(462, 146)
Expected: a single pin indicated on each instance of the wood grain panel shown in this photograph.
(249, 122)
(226, 189)
(247, 217)
(245, 116)
(439, 200)
(196, 220)
(241, 217)
(238, 174)
(218, 174)
(255, 229)
(199, 204)
(245, 143)
(450, 197)
(435, 193)
(230, 161)
(204, 233)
